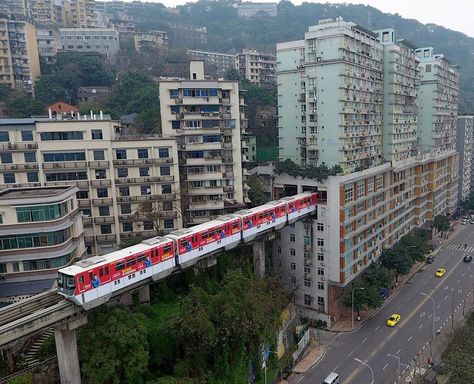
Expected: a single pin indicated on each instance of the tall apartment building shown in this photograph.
(17, 8)
(152, 39)
(207, 118)
(128, 186)
(83, 13)
(43, 11)
(439, 99)
(101, 40)
(40, 231)
(19, 52)
(222, 61)
(350, 97)
(188, 34)
(465, 139)
(47, 39)
(249, 9)
(258, 67)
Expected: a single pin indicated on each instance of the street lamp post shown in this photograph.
(368, 366)
(399, 364)
(352, 308)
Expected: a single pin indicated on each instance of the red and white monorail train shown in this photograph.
(94, 281)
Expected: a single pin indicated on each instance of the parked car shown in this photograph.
(467, 258)
(429, 260)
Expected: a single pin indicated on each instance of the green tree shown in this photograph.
(256, 194)
(23, 106)
(378, 277)
(5, 92)
(365, 295)
(398, 260)
(113, 346)
(468, 203)
(233, 74)
(441, 223)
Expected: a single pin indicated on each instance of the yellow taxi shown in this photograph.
(393, 320)
(440, 272)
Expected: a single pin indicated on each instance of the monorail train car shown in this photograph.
(261, 218)
(300, 205)
(195, 242)
(91, 282)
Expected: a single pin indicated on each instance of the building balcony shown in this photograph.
(203, 205)
(17, 146)
(104, 238)
(100, 183)
(98, 164)
(205, 191)
(102, 201)
(104, 220)
(143, 180)
(204, 176)
(66, 165)
(205, 160)
(144, 198)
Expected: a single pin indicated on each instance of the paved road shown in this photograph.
(374, 340)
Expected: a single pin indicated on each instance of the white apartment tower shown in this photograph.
(207, 118)
(465, 138)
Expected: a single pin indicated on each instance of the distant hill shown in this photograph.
(229, 33)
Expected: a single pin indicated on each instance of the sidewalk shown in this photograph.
(317, 351)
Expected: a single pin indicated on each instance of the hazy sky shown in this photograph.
(453, 14)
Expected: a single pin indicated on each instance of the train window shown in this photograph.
(235, 225)
(81, 279)
(167, 249)
(261, 215)
(204, 235)
(91, 275)
(119, 266)
(184, 243)
(155, 253)
(131, 262)
(211, 234)
(106, 270)
(195, 238)
(141, 259)
(101, 272)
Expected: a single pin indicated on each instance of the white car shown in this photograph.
(464, 222)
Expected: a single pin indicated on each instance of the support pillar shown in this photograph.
(144, 295)
(66, 349)
(259, 258)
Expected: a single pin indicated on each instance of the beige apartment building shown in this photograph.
(258, 67)
(40, 231)
(207, 118)
(19, 55)
(128, 186)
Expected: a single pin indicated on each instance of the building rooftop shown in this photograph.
(22, 193)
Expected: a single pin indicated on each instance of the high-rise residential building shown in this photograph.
(83, 13)
(249, 9)
(47, 38)
(43, 12)
(439, 99)
(128, 185)
(465, 139)
(152, 39)
(359, 99)
(16, 8)
(207, 118)
(400, 109)
(222, 61)
(20, 67)
(258, 67)
(40, 231)
(339, 67)
(101, 40)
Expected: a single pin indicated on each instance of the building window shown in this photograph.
(105, 229)
(30, 157)
(9, 178)
(293, 280)
(127, 227)
(307, 270)
(349, 194)
(120, 154)
(167, 206)
(31, 240)
(370, 186)
(104, 210)
(122, 172)
(320, 256)
(321, 301)
(26, 135)
(32, 177)
(148, 225)
(292, 238)
(166, 188)
(174, 94)
(97, 134)
(142, 153)
(100, 174)
(360, 189)
(292, 252)
(308, 299)
(61, 136)
(125, 209)
(175, 124)
(99, 155)
(64, 156)
(124, 191)
(279, 249)
(292, 225)
(168, 223)
(82, 194)
(102, 192)
(41, 212)
(293, 266)
(145, 190)
(320, 242)
(307, 282)
(4, 136)
(379, 182)
(320, 286)
(320, 227)
(144, 171)
(165, 171)
(163, 152)
(320, 271)
(6, 157)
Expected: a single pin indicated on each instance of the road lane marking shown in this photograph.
(445, 297)
(415, 311)
(378, 326)
(439, 305)
(464, 274)
(386, 365)
(335, 368)
(421, 326)
(363, 341)
(350, 354)
(398, 351)
(457, 282)
(301, 378)
(411, 337)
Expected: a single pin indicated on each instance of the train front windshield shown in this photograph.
(66, 284)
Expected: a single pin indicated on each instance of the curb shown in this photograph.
(323, 350)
